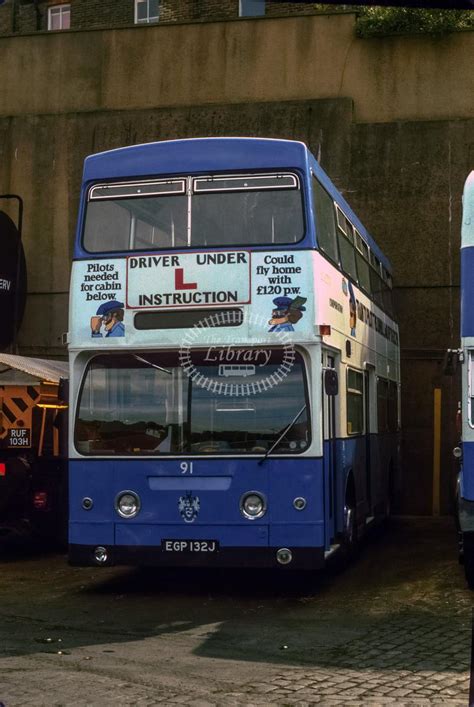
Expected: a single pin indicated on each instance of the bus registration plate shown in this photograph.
(198, 546)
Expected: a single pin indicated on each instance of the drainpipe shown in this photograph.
(13, 18)
(38, 15)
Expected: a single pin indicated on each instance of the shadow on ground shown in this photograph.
(402, 605)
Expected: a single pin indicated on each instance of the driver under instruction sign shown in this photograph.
(188, 279)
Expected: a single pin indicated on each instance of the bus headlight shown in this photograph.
(253, 505)
(127, 504)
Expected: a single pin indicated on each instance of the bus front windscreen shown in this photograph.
(148, 404)
(194, 213)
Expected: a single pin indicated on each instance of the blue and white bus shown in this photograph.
(234, 360)
(465, 483)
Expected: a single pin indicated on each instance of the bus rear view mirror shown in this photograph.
(331, 383)
(451, 360)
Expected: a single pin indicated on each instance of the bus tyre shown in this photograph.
(349, 535)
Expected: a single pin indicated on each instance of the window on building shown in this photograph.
(251, 8)
(59, 17)
(147, 11)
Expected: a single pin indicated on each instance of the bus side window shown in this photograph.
(362, 261)
(470, 388)
(355, 402)
(325, 221)
(387, 298)
(376, 287)
(345, 237)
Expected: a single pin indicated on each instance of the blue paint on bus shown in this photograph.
(467, 291)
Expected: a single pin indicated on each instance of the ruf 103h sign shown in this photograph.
(12, 281)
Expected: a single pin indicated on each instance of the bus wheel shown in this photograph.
(349, 526)
(350, 534)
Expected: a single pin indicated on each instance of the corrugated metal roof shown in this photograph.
(38, 368)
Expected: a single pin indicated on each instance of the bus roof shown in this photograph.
(213, 154)
(216, 154)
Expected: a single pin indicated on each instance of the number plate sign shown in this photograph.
(190, 546)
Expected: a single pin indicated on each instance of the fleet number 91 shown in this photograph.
(186, 467)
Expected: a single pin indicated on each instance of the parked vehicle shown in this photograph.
(33, 449)
(234, 357)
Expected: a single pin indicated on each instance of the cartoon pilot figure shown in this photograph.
(287, 312)
(110, 315)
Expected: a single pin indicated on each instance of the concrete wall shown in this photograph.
(392, 119)
(297, 58)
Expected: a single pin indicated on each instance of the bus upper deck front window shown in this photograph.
(136, 216)
(213, 212)
(241, 210)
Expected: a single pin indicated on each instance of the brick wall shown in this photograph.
(273, 9)
(189, 10)
(90, 14)
(5, 19)
(27, 18)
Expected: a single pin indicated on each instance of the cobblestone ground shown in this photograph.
(394, 628)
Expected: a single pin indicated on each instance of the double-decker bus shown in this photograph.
(465, 481)
(234, 361)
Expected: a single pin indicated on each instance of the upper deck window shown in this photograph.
(325, 221)
(219, 211)
(346, 244)
(362, 260)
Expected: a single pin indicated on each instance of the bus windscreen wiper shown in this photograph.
(153, 365)
(285, 431)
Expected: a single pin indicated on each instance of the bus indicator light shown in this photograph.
(299, 503)
(3, 469)
(40, 500)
